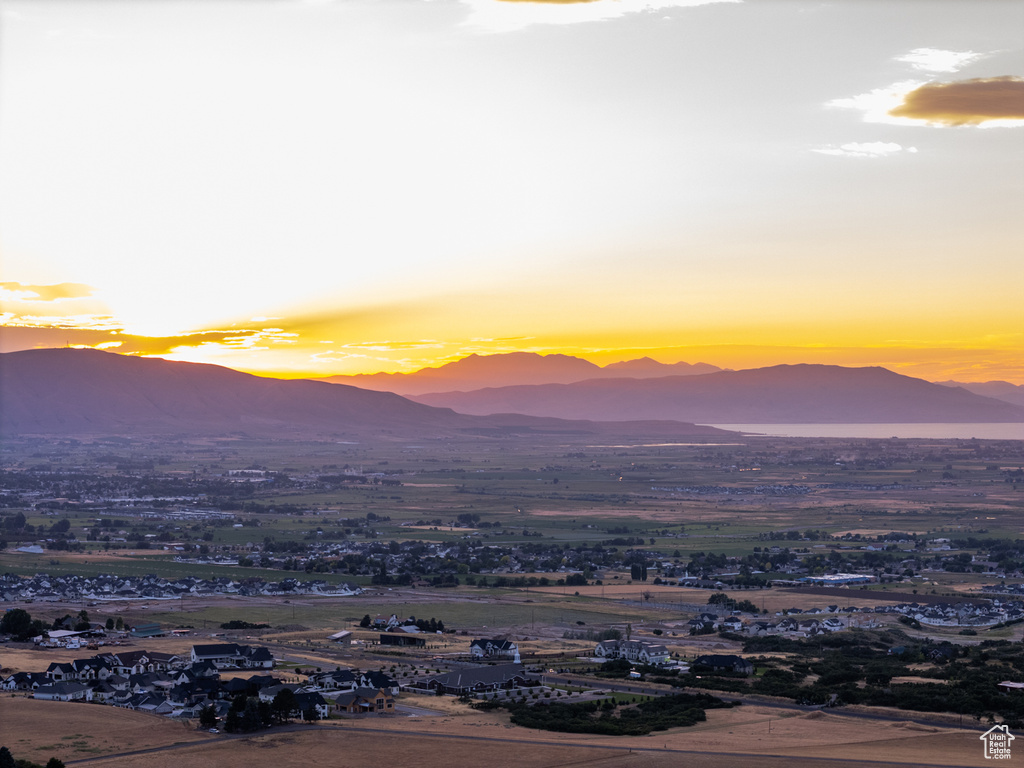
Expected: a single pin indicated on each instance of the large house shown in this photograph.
(479, 679)
(231, 655)
(67, 690)
(498, 648)
(725, 663)
(639, 651)
(379, 700)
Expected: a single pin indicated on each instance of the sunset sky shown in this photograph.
(314, 188)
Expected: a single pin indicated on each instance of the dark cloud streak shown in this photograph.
(965, 102)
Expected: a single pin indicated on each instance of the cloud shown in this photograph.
(868, 149)
(77, 333)
(965, 102)
(982, 101)
(21, 292)
(512, 15)
(877, 104)
(936, 60)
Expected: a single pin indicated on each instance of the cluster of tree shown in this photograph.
(727, 603)
(620, 668)
(249, 713)
(423, 625)
(511, 581)
(19, 624)
(7, 761)
(859, 668)
(239, 624)
(79, 623)
(594, 635)
(610, 718)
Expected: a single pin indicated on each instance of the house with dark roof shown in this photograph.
(232, 655)
(639, 651)
(479, 679)
(498, 648)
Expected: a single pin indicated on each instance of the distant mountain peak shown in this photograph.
(476, 371)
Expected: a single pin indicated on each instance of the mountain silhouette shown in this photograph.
(511, 369)
(88, 392)
(782, 394)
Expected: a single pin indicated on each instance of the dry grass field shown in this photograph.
(746, 737)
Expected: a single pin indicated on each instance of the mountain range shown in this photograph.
(512, 369)
(782, 394)
(73, 392)
(1000, 390)
(78, 392)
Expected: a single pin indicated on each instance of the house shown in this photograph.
(381, 701)
(340, 679)
(232, 655)
(402, 639)
(311, 701)
(725, 663)
(479, 679)
(732, 623)
(147, 630)
(135, 662)
(67, 690)
(377, 679)
(498, 648)
(639, 651)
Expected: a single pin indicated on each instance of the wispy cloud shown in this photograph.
(867, 149)
(512, 15)
(937, 60)
(877, 103)
(21, 292)
(965, 102)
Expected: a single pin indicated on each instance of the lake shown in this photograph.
(884, 431)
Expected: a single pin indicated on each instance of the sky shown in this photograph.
(310, 188)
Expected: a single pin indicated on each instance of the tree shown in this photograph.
(208, 716)
(16, 622)
(15, 523)
(365, 621)
(110, 622)
(53, 762)
(6, 758)
(283, 705)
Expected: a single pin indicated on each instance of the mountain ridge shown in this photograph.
(90, 392)
(512, 368)
(803, 393)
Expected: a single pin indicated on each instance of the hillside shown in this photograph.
(776, 395)
(89, 392)
(999, 390)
